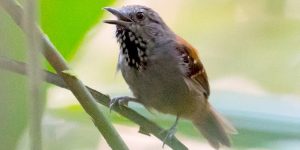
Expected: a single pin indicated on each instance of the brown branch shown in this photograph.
(56, 60)
(128, 113)
(82, 94)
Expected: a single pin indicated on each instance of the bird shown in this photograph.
(164, 73)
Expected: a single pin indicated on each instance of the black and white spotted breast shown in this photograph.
(133, 49)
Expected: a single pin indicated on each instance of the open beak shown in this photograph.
(122, 19)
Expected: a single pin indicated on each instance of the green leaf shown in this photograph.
(67, 21)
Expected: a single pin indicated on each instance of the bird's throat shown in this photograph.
(133, 48)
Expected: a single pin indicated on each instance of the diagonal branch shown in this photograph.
(144, 123)
(55, 59)
(64, 79)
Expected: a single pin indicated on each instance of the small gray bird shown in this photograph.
(164, 72)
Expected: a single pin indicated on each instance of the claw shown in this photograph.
(120, 101)
(171, 132)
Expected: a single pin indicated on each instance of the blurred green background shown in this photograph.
(250, 48)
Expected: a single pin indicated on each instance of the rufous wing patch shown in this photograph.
(193, 68)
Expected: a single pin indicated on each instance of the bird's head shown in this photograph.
(142, 22)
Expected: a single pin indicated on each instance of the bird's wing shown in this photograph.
(192, 68)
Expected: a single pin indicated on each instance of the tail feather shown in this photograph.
(214, 128)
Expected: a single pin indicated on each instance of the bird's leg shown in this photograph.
(171, 132)
(123, 100)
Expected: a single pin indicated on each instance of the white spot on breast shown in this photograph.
(132, 37)
(118, 36)
(140, 40)
(119, 40)
(124, 46)
(136, 41)
(142, 44)
(126, 52)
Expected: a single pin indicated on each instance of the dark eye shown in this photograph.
(140, 16)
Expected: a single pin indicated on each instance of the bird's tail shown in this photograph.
(214, 128)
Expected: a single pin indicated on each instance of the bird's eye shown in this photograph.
(140, 16)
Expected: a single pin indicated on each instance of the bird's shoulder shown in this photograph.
(192, 67)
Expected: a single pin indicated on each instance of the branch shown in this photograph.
(144, 123)
(84, 97)
(35, 102)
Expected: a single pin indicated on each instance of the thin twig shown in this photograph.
(84, 97)
(144, 123)
(35, 102)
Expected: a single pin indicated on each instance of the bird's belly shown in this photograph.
(160, 87)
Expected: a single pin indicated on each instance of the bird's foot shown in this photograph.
(120, 101)
(170, 134)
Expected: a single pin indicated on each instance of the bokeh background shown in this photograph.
(250, 48)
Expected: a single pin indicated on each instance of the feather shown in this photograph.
(192, 68)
